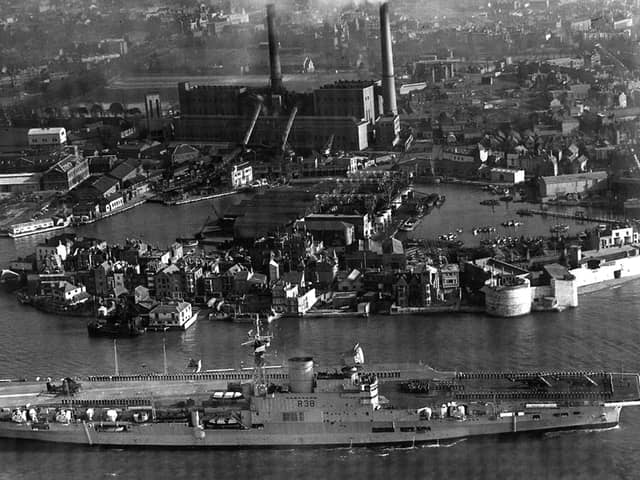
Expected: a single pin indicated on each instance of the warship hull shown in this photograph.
(183, 435)
(409, 406)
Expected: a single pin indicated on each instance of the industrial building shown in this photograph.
(20, 182)
(349, 115)
(66, 174)
(577, 183)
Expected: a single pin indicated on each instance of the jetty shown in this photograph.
(579, 215)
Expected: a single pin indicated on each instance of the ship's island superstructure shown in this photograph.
(356, 404)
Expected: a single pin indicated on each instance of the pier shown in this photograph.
(199, 198)
(577, 216)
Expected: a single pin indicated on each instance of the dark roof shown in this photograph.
(104, 183)
(124, 169)
(557, 271)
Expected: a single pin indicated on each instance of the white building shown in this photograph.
(41, 137)
(68, 293)
(617, 237)
(623, 24)
(174, 315)
(507, 175)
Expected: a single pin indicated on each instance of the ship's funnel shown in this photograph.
(274, 54)
(301, 375)
(388, 81)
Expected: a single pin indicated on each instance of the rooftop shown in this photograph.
(575, 177)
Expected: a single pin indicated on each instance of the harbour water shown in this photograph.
(603, 333)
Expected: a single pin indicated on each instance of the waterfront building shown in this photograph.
(126, 171)
(64, 292)
(577, 183)
(599, 268)
(506, 175)
(111, 202)
(66, 174)
(363, 228)
(95, 188)
(173, 315)
(291, 300)
(411, 291)
(615, 237)
(508, 296)
(449, 277)
(336, 234)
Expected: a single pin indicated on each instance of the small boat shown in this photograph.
(115, 329)
(524, 212)
(222, 316)
(245, 317)
(491, 202)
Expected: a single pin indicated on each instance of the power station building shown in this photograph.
(352, 115)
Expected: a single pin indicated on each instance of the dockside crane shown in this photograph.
(287, 130)
(252, 126)
(285, 138)
(326, 149)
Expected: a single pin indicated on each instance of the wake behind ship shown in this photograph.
(356, 404)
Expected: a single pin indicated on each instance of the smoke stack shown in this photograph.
(274, 54)
(388, 82)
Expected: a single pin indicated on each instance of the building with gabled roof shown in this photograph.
(172, 315)
(66, 174)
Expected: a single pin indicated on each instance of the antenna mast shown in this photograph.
(259, 342)
(115, 357)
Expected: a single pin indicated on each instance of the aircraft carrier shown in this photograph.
(355, 404)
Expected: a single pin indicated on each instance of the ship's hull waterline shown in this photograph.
(221, 409)
(357, 435)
